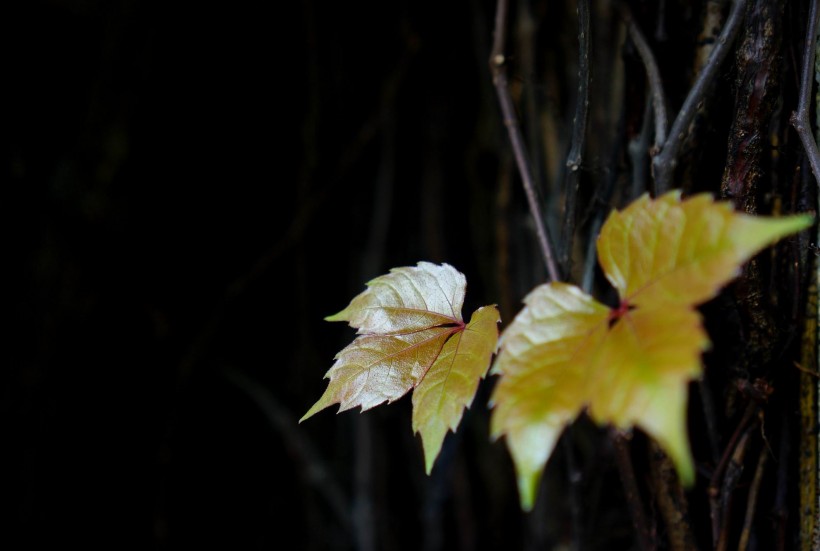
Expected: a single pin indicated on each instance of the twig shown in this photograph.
(498, 71)
(715, 486)
(600, 204)
(671, 500)
(653, 75)
(733, 471)
(751, 500)
(579, 126)
(800, 118)
(305, 456)
(666, 161)
(708, 404)
(579, 122)
(631, 491)
(638, 149)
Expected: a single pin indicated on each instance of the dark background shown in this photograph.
(192, 187)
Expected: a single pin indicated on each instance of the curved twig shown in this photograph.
(653, 75)
(665, 162)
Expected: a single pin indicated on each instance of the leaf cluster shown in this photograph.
(565, 353)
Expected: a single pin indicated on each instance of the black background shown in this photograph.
(191, 188)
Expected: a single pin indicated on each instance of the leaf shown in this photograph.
(667, 251)
(407, 299)
(378, 368)
(628, 366)
(411, 335)
(452, 381)
(543, 384)
(643, 368)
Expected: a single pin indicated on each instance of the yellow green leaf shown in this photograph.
(544, 366)
(641, 374)
(628, 366)
(452, 381)
(667, 250)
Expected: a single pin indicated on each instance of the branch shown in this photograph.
(579, 126)
(600, 204)
(498, 70)
(631, 491)
(665, 162)
(653, 75)
(637, 150)
(800, 118)
(751, 501)
(717, 482)
(671, 500)
(314, 470)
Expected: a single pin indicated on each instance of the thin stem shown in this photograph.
(665, 162)
(715, 485)
(600, 204)
(579, 123)
(730, 480)
(710, 417)
(306, 457)
(631, 491)
(637, 149)
(579, 126)
(800, 118)
(751, 501)
(653, 75)
(499, 73)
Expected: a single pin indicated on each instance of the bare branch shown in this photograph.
(665, 162)
(633, 496)
(498, 70)
(751, 501)
(653, 74)
(314, 470)
(800, 118)
(579, 126)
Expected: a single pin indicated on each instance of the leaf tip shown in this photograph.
(321, 404)
(338, 316)
(429, 461)
(528, 489)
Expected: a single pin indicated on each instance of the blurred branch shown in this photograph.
(653, 75)
(671, 500)
(718, 498)
(637, 511)
(579, 127)
(800, 118)
(304, 454)
(666, 161)
(498, 70)
(638, 148)
(751, 501)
